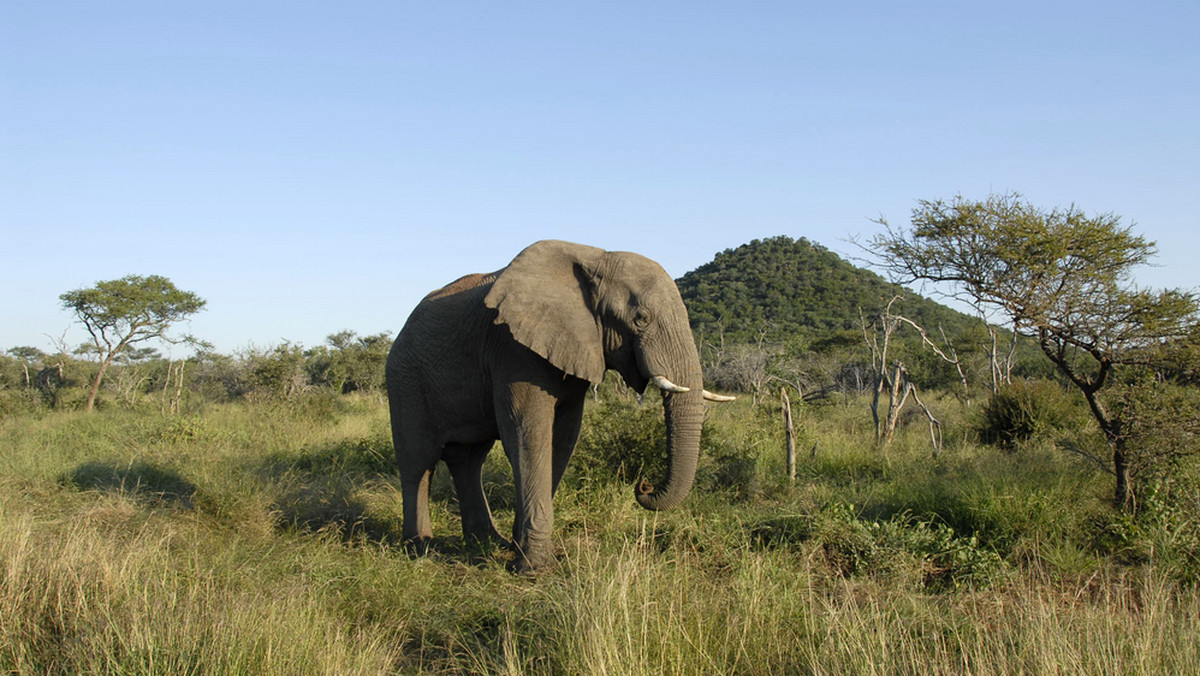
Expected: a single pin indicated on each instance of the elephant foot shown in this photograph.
(418, 546)
(521, 566)
(535, 560)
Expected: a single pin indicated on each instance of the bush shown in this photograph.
(621, 439)
(1163, 531)
(1028, 411)
(1160, 421)
(734, 450)
(18, 401)
(924, 553)
(624, 440)
(1161, 424)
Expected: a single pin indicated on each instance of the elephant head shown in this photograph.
(586, 310)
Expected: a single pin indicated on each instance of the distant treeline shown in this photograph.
(345, 363)
(31, 379)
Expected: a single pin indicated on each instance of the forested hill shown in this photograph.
(794, 289)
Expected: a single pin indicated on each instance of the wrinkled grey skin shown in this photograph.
(510, 356)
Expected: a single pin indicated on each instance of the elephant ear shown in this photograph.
(544, 297)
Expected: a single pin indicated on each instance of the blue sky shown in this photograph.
(312, 167)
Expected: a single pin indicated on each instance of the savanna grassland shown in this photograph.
(263, 538)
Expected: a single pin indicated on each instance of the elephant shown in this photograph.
(510, 356)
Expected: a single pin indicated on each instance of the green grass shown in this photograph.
(264, 538)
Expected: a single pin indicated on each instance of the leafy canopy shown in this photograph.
(1060, 275)
(132, 309)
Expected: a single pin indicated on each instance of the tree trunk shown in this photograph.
(91, 402)
(1116, 438)
(898, 391)
(178, 388)
(1121, 496)
(789, 433)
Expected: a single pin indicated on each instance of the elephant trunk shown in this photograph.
(684, 412)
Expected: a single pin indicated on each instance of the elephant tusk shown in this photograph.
(668, 386)
(717, 397)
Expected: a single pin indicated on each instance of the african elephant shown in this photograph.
(510, 356)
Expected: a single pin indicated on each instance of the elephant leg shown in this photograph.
(466, 468)
(528, 437)
(418, 530)
(568, 417)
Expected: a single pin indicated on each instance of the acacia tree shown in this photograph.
(1059, 276)
(123, 312)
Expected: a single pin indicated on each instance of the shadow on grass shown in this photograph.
(323, 505)
(146, 483)
(351, 488)
(327, 489)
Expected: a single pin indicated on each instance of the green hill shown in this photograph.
(797, 291)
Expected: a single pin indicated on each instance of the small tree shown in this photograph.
(123, 312)
(1059, 276)
(892, 377)
(26, 356)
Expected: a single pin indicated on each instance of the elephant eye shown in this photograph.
(641, 318)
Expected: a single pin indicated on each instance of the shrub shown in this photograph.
(1027, 411)
(1161, 425)
(1164, 531)
(734, 450)
(624, 440)
(621, 439)
(19, 401)
(924, 553)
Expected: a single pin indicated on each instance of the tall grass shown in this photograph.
(114, 591)
(264, 539)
